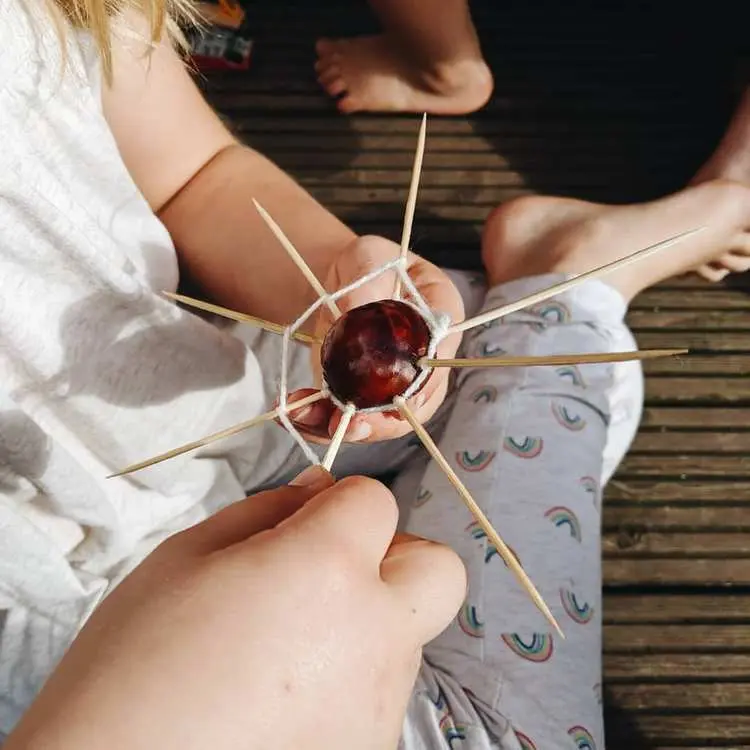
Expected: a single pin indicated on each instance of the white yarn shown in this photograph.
(437, 323)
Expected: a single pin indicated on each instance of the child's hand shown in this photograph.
(293, 619)
(318, 423)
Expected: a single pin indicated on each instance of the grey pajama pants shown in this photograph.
(534, 446)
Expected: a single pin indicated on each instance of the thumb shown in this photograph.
(257, 513)
(365, 255)
(430, 580)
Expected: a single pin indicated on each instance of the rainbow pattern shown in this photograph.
(474, 462)
(477, 532)
(469, 621)
(488, 349)
(580, 613)
(486, 393)
(440, 702)
(538, 650)
(572, 373)
(423, 495)
(561, 516)
(551, 312)
(591, 486)
(529, 447)
(451, 731)
(582, 738)
(573, 422)
(526, 743)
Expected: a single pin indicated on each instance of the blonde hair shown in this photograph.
(165, 20)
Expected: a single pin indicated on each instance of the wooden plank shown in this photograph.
(709, 418)
(662, 490)
(698, 320)
(468, 153)
(485, 190)
(675, 491)
(516, 131)
(664, 441)
(680, 668)
(696, 696)
(342, 176)
(710, 298)
(679, 466)
(700, 364)
(297, 142)
(721, 390)
(652, 518)
(677, 638)
(670, 608)
(645, 545)
(694, 571)
(710, 729)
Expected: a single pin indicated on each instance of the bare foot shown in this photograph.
(371, 73)
(535, 235)
(730, 161)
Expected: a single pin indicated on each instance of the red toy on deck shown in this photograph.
(224, 43)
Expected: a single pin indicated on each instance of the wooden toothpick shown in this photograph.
(269, 415)
(411, 200)
(338, 437)
(552, 359)
(563, 286)
(298, 259)
(503, 550)
(225, 312)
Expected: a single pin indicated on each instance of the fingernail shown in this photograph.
(311, 478)
(359, 431)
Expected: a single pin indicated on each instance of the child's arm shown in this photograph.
(200, 181)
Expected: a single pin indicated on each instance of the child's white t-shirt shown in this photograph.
(97, 370)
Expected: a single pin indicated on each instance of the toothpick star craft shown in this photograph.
(405, 333)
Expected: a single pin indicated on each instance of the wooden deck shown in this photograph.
(609, 105)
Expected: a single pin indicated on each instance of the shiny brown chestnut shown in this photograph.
(371, 353)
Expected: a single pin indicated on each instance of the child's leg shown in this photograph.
(529, 444)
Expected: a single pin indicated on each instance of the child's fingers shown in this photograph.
(312, 421)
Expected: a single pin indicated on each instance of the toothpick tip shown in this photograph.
(262, 211)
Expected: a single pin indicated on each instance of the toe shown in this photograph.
(335, 86)
(329, 76)
(713, 272)
(735, 262)
(348, 104)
